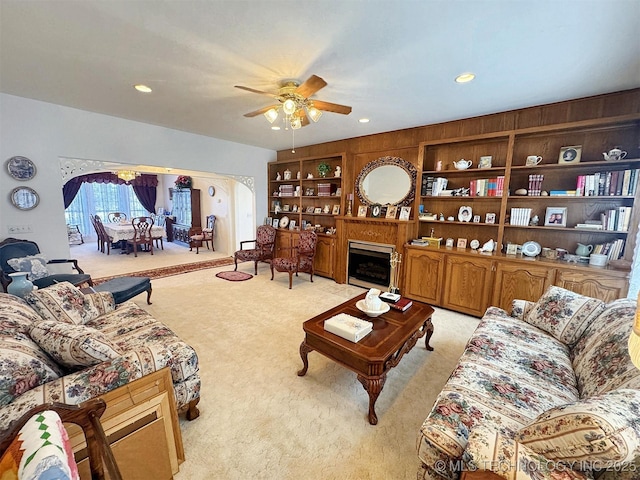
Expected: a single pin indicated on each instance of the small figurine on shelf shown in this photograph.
(534, 221)
(441, 217)
(287, 174)
(323, 169)
(309, 175)
(337, 172)
(298, 175)
(278, 177)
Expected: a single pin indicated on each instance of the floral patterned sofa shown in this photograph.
(548, 392)
(59, 345)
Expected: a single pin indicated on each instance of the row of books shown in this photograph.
(616, 219)
(520, 216)
(535, 185)
(487, 187)
(613, 250)
(433, 186)
(614, 183)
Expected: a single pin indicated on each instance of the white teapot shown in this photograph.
(462, 164)
(614, 154)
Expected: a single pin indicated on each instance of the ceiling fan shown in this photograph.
(294, 100)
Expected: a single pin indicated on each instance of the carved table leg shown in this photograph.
(304, 350)
(428, 326)
(373, 386)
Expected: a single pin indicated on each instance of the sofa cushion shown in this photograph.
(62, 302)
(603, 428)
(15, 315)
(36, 265)
(564, 314)
(601, 358)
(73, 345)
(490, 450)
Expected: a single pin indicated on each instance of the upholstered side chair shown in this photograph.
(264, 245)
(300, 259)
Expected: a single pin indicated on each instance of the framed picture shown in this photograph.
(405, 213)
(362, 211)
(490, 218)
(392, 211)
(570, 154)
(376, 210)
(556, 217)
(317, 210)
(485, 162)
(336, 210)
(512, 248)
(268, 221)
(462, 243)
(285, 207)
(275, 223)
(476, 219)
(292, 225)
(310, 209)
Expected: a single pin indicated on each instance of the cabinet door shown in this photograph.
(423, 276)
(323, 262)
(525, 282)
(467, 284)
(606, 288)
(284, 242)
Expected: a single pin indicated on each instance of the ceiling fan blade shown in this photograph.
(332, 107)
(261, 111)
(311, 86)
(253, 90)
(303, 118)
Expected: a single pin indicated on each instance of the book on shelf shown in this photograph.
(564, 193)
(348, 327)
(589, 226)
(616, 219)
(401, 305)
(520, 216)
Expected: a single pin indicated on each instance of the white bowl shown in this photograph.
(362, 306)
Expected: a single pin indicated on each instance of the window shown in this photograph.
(102, 199)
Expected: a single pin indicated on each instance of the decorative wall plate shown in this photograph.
(474, 244)
(531, 249)
(24, 198)
(21, 168)
(465, 214)
(284, 221)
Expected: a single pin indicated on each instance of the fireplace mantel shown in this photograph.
(376, 230)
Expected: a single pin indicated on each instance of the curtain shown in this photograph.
(144, 187)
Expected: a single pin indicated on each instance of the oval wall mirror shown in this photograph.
(387, 180)
(24, 198)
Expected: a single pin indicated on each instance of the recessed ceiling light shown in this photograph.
(465, 77)
(364, 120)
(142, 88)
(275, 128)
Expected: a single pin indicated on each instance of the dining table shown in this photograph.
(124, 231)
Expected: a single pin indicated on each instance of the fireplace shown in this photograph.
(368, 264)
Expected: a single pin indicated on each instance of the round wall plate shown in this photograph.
(21, 168)
(24, 198)
(284, 221)
(531, 249)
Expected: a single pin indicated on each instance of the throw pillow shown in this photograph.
(603, 428)
(73, 345)
(62, 302)
(564, 314)
(36, 265)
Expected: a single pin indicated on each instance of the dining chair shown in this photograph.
(159, 221)
(104, 239)
(264, 245)
(93, 222)
(117, 217)
(301, 258)
(142, 234)
(204, 236)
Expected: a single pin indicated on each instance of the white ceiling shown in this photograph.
(392, 61)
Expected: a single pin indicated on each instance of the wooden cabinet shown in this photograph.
(141, 424)
(526, 281)
(186, 210)
(423, 275)
(300, 197)
(607, 288)
(467, 284)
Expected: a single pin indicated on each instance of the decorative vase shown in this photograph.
(20, 284)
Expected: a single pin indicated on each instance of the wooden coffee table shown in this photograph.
(394, 334)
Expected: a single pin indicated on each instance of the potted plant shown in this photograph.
(323, 169)
(183, 181)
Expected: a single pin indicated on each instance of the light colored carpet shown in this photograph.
(258, 418)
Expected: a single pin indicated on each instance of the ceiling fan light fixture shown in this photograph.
(296, 123)
(314, 113)
(271, 115)
(289, 106)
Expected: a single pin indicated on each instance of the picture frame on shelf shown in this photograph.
(310, 209)
(476, 219)
(490, 218)
(275, 223)
(462, 243)
(570, 154)
(292, 225)
(405, 213)
(449, 242)
(512, 248)
(376, 210)
(317, 210)
(336, 210)
(362, 211)
(286, 207)
(392, 212)
(268, 221)
(485, 162)
(555, 217)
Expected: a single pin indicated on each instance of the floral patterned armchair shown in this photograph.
(264, 245)
(301, 259)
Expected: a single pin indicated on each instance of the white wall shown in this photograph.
(44, 132)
